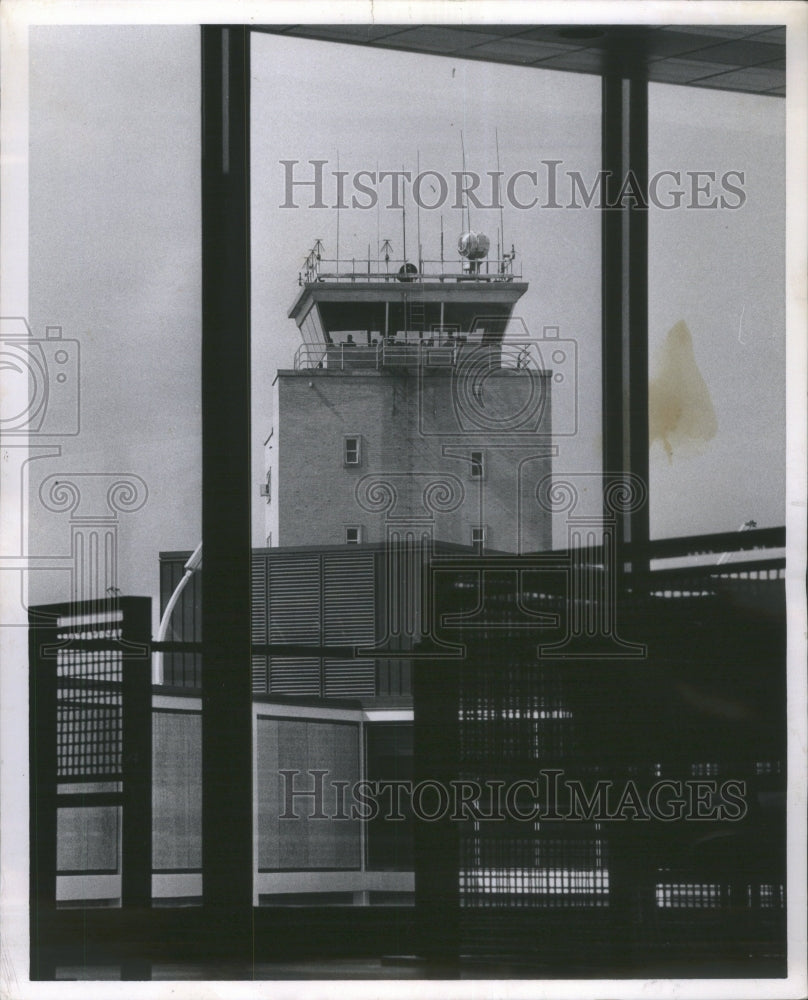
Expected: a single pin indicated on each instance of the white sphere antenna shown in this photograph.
(473, 246)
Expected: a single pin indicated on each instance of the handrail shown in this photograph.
(436, 350)
(367, 270)
(313, 356)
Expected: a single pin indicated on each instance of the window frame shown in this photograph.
(347, 449)
(226, 259)
(624, 349)
(266, 487)
(359, 533)
(228, 487)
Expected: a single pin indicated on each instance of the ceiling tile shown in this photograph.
(751, 78)
(502, 30)
(776, 35)
(744, 53)
(662, 44)
(577, 61)
(519, 50)
(437, 38)
(679, 70)
(553, 33)
(361, 33)
(718, 30)
(733, 57)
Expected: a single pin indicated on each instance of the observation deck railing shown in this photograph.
(432, 351)
(355, 269)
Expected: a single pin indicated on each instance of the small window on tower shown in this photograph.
(266, 488)
(353, 451)
(353, 535)
(478, 537)
(477, 468)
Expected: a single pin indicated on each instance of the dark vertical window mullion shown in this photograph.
(638, 319)
(226, 687)
(624, 285)
(43, 750)
(624, 288)
(136, 763)
(612, 298)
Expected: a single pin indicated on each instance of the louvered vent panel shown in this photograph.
(260, 672)
(294, 675)
(294, 600)
(350, 599)
(349, 619)
(259, 626)
(349, 678)
(259, 599)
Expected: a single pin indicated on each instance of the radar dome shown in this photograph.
(473, 246)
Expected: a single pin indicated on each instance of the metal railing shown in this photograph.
(437, 349)
(355, 269)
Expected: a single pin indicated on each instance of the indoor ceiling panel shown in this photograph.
(501, 30)
(681, 70)
(749, 52)
(577, 61)
(438, 38)
(362, 34)
(776, 35)
(755, 79)
(718, 30)
(570, 36)
(517, 50)
(673, 43)
(734, 57)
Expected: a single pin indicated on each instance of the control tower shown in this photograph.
(416, 396)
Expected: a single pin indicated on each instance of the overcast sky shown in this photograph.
(114, 252)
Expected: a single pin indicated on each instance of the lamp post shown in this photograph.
(193, 564)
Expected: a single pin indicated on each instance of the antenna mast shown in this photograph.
(339, 199)
(441, 244)
(403, 220)
(501, 218)
(468, 210)
(418, 210)
(378, 227)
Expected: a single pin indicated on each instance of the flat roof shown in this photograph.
(453, 291)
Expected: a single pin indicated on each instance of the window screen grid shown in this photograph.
(88, 712)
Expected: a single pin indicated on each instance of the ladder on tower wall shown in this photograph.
(418, 312)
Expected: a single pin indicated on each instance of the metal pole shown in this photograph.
(226, 682)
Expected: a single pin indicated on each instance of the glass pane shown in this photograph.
(321, 180)
(716, 311)
(425, 368)
(114, 481)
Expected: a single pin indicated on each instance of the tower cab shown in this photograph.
(373, 314)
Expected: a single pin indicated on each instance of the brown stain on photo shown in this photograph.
(680, 411)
